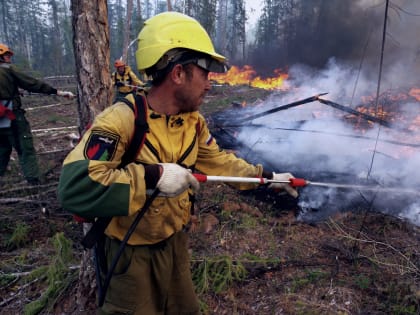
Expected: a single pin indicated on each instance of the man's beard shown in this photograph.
(186, 103)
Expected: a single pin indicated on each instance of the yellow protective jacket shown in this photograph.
(91, 185)
(127, 79)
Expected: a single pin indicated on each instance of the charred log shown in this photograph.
(357, 113)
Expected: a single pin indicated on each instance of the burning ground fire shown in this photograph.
(325, 141)
(388, 101)
(414, 92)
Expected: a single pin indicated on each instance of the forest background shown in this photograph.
(311, 33)
(308, 32)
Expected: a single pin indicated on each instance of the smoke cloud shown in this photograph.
(335, 47)
(350, 31)
(324, 144)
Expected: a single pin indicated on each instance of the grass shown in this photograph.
(221, 98)
(19, 237)
(56, 118)
(57, 273)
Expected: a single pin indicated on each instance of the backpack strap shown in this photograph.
(137, 140)
(140, 129)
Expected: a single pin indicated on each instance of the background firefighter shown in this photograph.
(153, 273)
(15, 131)
(124, 79)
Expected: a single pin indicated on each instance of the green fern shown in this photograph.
(217, 274)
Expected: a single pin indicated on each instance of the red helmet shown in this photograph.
(119, 63)
(5, 49)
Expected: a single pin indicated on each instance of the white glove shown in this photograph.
(66, 94)
(175, 179)
(283, 177)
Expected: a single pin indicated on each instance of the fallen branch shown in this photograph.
(355, 112)
(325, 307)
(27, 273)
(54, 152)
(20, 188)
(406, 265)
(283, 107)
(54, 129)
(23, 200)
(37, 198)
(60, 77)
(46, 106)
(20, 289)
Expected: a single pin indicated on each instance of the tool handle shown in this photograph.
(200, 177)
(294, 182)
(229, 179)
(298, 182)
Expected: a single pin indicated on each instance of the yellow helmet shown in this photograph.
(4, 49)
(170, 30)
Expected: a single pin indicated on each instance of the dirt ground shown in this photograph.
(249, 252)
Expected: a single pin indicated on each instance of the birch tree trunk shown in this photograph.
(92, 57)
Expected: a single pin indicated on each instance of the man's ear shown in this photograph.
(178, 74)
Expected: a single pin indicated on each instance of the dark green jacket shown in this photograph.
(11, 79)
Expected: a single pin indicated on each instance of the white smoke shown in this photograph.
(317, 141)
(314, 139)
(412, 213)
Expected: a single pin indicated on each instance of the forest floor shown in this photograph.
(250, 254)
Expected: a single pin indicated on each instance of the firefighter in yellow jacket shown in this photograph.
(124, 79)
(153, 274)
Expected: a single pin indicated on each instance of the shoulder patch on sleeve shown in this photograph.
(101, 145)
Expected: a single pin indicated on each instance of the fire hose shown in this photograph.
(294, 182)
(103, 285)
(301, 182)
(133, 86)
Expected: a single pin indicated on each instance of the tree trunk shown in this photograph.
(221, 27)
(92, 57)
(56, 39)
(5, 15)
(127, 28)
(138, 10)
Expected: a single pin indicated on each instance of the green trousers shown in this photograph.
(151, 280)
(19, 137)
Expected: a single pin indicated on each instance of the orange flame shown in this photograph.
(388, 108)
(248, 76)
(415, 92)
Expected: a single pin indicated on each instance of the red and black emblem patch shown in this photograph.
(101, 145)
